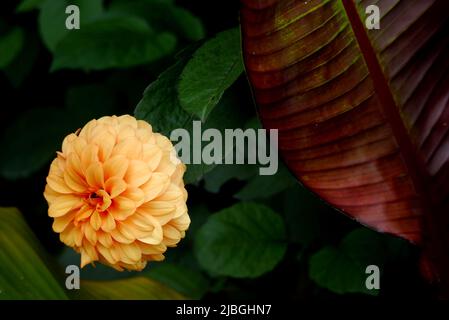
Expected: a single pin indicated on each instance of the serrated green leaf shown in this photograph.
(160, 106)
(243, 241)
(214, 68)
(24, 272)
(52, 18)
(10, 46)
(112, 42)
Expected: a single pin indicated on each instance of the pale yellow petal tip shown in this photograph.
(115, 195)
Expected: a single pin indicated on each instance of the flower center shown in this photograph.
(100, 200)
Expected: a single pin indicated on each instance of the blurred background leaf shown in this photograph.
(112, 42)
(162, 15)
(32, 140)
(28, 5)
(342, 269)
(52, 18)
(10, 45)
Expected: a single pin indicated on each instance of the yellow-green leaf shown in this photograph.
(24, 265)
(137, 288)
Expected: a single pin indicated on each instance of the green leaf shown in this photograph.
(342, 269)
(261, 187)
(214, 68)
(163, 16)
(52, 18)
(10, 46)
(112, 42)
(136, 288)
(28, 5)
(190, 283)
(243, 241)
(24, 272)
(160, 107)
(32, 141)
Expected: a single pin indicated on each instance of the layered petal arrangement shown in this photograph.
(116, 193)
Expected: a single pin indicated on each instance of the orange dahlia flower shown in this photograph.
(116, 194)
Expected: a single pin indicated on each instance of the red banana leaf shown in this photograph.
(363, 115)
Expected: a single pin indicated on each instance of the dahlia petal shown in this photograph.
(79, 144)
(173, 193)
(171, 232)
(95, 175)
(130, 147)
(61, 223)
(116, 167)
(181, 209)
(105, 239)
(64, 204)
(152, 155)
(126, 231)
(49, 194)
(86, 130)
(122, 208)
(148, 249)
(95, 220)
(157, 257)
(106, 253)
(83, 213)
(58, 184)
(73, 164)
(90, 233)
(73, 174)
(178, 174)
(108, 224)
(157, 208)
(136, 195)
(125, 132)
(88, 254)
(67, 143)
(74, 182)
(106, 142)
(89, 156)
(145, 222)
(132, 251)
(128, 120)
(115, 252)
(115, 186)
(138, 173)
(155, 186)
(119, 237)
